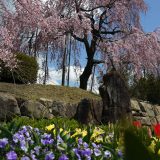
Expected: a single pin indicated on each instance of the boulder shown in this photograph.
(139, 113)
(115, 97)
(71, 110)
(153, 121)
(158, 119)
(20, 100)
(35, 109)
(46, 102)
(63, 109)
(135, 105)
(156, 109)
(89, 111)
(144, 112)
(144, 120)
(8, 106)
(146, 107)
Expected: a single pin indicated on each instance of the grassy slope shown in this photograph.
(58, 93)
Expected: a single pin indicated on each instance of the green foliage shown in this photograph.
(134, 148)
(42, 123)
(26, 71)
(8, 129)
(140, 145)
(147, 89)
(121, 140)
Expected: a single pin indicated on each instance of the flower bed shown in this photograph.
(58, 143)
(82, 143)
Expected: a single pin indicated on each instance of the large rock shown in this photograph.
(89, 111)
(8, 106)
(46, 102)
(158, 118)
(146, 107)
(35, 109)
(156, 109)
(135, 105)
(143, 120)
(63, 109)
(145, 112)
(115, 97)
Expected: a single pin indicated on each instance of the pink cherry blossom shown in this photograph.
(110, 28)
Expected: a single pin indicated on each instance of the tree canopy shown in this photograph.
(109, 28)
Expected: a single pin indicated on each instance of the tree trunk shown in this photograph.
(69, 60)
(46, 67)
(90, 50)
(30, 44)
(64, 63)
(86, 74)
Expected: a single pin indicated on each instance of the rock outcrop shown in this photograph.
(86, 111)
(145, 112)
(89, 111)
(8, 106)
(35, 109)
(115, 97)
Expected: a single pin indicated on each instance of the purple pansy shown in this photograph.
(97, 152)
(11, 155)
(25, 158)
(120, 154)
(63, 157)
(49, 156)
(3, 142)
(37, 150)
(77, 152)
(23, 146)
(46, 139)
(86, 153)
(107, 154)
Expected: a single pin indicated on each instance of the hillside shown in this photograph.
(57, 93)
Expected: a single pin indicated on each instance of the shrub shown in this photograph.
(26, 71)
(147, 89)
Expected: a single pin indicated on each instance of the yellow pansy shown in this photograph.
(96, 132)
(155, 139)
(84, 133)
(61, 129)
(120, 142)
(152, 146)
(98, 139)
(66, 132)
(78, 131)
(54, 131)
(50, 127)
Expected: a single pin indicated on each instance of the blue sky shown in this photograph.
(151, 20)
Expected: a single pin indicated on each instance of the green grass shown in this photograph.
(42, 123)
(57, 93)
